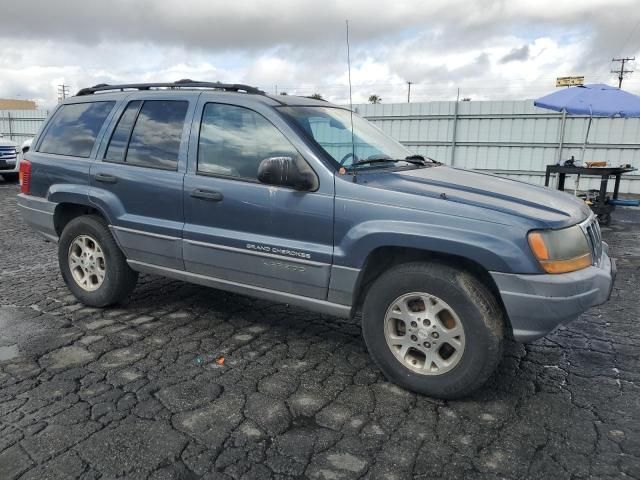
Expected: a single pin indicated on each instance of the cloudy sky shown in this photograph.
(490, 49)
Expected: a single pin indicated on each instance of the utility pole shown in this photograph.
(63, 92)
(409, 92)
(621, 73)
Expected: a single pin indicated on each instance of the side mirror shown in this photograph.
(283, 171)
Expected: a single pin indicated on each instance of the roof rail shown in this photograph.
(185, 83)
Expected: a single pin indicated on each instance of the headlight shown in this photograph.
(561, 251)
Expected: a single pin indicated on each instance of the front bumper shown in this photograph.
(537, 304)
(8, 166)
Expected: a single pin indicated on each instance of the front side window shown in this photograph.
(155, 139)
(234, 140)
(74, 128)
(331, 129)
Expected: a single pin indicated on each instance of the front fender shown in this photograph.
(491, 246)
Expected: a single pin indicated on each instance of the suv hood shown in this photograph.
(7, 143)
(500, 194)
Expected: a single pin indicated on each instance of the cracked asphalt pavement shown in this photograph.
(137, 391)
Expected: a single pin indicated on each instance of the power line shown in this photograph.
(63, 92)
(622, 72)
(629, 37)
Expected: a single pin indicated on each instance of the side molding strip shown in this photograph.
(256, 253)
(320, 306)
(142, 232)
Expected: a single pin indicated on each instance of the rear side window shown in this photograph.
(154, 141)
(74, 129)
(120, 137)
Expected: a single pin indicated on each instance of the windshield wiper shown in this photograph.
(375, 159)
(414, 159)
(422, 159)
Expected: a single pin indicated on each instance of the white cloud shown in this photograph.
(299, 45)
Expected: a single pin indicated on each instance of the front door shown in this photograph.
(138, 178)
(240, 230)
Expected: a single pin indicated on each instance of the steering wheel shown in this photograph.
(347, 157)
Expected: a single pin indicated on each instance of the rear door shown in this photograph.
(240, 230)
(138, 177)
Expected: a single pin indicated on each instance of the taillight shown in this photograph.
(25, 176)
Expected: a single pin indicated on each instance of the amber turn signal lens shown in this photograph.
(564, 266)
(536, 242)
(560, 251)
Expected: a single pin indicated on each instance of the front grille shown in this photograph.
(592, 229)
(7, 153)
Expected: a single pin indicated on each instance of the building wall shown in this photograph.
(20, 125)
(12, 104)
(511, 138)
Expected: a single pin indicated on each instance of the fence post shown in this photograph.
(561, 141)
(9, 123)
(453, 134)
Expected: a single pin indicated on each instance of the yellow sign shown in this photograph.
(569, 81)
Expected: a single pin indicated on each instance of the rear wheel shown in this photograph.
(433, 329)
(10, 177)
(92, 265)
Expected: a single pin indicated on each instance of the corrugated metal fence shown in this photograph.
(20, 125)
(511, 138)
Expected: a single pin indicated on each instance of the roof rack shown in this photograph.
(186, 83)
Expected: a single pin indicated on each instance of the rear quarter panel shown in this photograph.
(69, 175)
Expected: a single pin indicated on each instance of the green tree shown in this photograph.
(375, 98)
(317, 96)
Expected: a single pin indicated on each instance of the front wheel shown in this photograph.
(433, 329)
(92, 265)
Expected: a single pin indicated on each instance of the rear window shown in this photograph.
(74, 129)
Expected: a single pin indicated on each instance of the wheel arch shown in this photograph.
(385, 257)
(67, 211)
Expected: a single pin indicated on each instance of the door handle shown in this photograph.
(105, 178)
(210, 195)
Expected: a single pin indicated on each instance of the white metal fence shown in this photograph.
(20, 125)
(511, 138)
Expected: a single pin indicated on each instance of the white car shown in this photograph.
(8, 159)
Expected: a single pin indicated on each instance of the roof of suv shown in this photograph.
(111, 91)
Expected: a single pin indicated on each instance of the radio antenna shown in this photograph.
(353, 145)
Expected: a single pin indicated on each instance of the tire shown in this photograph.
(469, 305)
(604, 219)
(10, 177)
(109, 279)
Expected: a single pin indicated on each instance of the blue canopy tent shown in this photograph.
(594, 100)
(599, 100)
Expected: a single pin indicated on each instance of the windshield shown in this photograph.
(331, 129)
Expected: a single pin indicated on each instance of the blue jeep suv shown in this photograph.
(300, 201)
